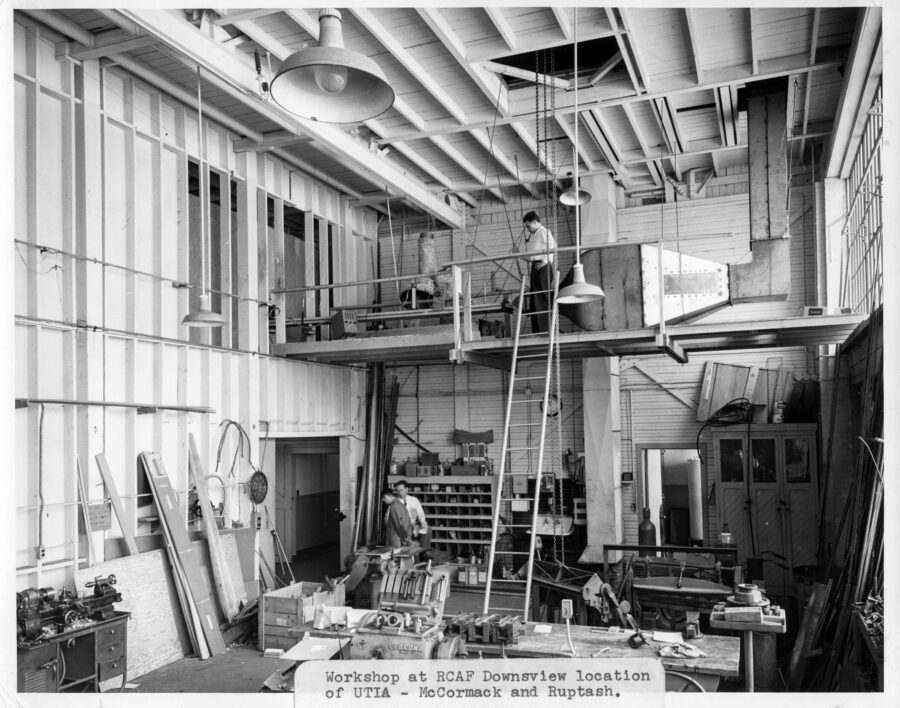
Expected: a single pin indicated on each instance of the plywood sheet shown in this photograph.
(167, 503)
(156, 631)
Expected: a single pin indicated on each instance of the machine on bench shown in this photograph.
(45, 612)
(408, 622)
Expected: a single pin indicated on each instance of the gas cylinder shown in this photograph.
(646, 530)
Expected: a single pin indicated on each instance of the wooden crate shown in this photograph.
(282, 610)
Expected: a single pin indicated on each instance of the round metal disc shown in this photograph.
(259, 487)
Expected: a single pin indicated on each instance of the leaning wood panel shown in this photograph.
(229, 592)
(156, 632)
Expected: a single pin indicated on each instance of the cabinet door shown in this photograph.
(732, 490)
(767, 509)
(800, 497)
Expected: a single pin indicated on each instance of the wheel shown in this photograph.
(677, 682)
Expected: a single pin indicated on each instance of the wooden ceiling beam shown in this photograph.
(714, 147)
(229, 17)
(116, 43)
(487, 82)
(754, 49)
(607, 66)
(536, 43)
(570, 134)
(531, 143)
(532, 76)
(234, 73)
(522, 100)
(862, 75)
(602, 138)
(813, 45)
(466, 164)
(270, 141)
(305, 20)
(483, 137)
(714, 158)
(694, 36)
(501, 24)
(727, 113)
(563, 20)
(623, 50)
(657, 171)
(386, 38)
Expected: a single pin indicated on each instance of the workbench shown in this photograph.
(76, 660)
(722, 658)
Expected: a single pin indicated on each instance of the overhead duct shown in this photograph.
(629, 273)
(767, 276)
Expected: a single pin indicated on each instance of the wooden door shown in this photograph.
(285, 486)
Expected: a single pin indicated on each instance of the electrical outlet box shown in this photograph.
(566, 609)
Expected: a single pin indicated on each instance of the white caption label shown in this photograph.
(491, 682)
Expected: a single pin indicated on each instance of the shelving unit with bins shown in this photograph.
(458, 509)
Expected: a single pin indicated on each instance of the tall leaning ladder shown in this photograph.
(519, 437)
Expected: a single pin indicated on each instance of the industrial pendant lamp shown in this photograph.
(203, 316)
(575, 196)
(329, 83)
(578, 291)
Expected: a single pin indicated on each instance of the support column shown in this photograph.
(834, 199)
(600, 391)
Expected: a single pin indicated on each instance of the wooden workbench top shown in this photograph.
(722, 653)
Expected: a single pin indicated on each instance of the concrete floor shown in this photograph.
(243, 669)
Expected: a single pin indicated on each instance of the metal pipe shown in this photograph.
(175, 283)
(25, 402)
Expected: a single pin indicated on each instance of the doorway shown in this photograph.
(672, 487)
(307, 506)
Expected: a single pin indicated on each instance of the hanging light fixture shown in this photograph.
(579, 290)
(575, 195)
(203, 316)
(329, 83)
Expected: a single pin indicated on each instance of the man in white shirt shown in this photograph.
(541, 249)
(413, 508)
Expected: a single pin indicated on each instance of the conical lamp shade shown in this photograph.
(579, 290)
(203, 316)
(329, 83)
(573, 197)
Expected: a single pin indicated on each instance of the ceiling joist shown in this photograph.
(237, 76)
(501, 24)
(489, 83)
(694, 37)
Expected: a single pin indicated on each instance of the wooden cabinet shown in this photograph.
(458, 509)
(766, 491)
(77, 660)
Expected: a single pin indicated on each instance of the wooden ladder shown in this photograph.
(521, 440)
